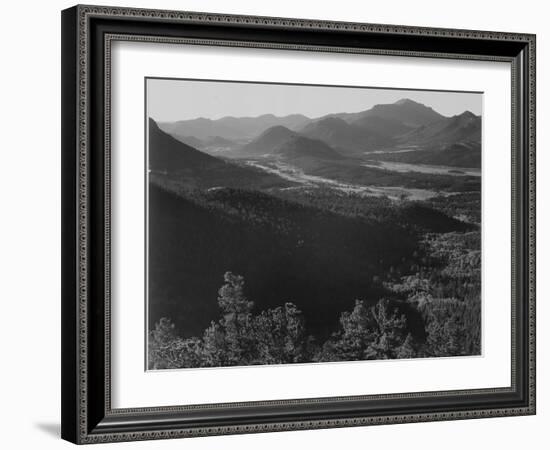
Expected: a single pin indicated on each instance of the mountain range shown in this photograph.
(381, 129)
(182, 168)
(232, 128)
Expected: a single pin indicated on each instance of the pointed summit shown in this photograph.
(467, 115)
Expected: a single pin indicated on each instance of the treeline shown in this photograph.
(278, 336)
(419, 320)
(409, 216)
(465, 206)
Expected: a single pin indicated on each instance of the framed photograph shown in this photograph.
(278, 224)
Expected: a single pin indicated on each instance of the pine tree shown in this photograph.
(280, 336)
(230, 342)
(378, 332)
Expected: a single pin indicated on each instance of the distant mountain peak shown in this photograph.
(406, 111)
(200, 119)
(466, 118)
(467, 114)
(463, 127)
(277, 130)
(407, 101)
(281, 141)
(268, 140)
(330, 121)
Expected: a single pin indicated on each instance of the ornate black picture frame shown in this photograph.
(87, 35)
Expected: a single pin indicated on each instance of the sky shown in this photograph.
(170, 100)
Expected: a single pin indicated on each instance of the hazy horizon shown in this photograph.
(170, 100)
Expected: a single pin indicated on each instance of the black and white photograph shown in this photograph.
(292, 223)
(275, 220)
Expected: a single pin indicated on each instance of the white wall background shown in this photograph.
(30, 223)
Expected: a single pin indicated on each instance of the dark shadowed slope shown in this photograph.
(286, 251)
(190, 167)
(167, 154)
(190, 140)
